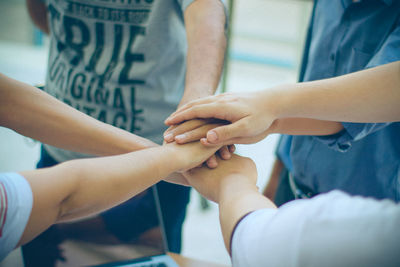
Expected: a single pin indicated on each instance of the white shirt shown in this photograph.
(15, 208)
(332, 229)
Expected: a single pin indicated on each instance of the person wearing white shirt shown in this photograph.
(332, 229)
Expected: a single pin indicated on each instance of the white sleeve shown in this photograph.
(15, 208)
(332, 229)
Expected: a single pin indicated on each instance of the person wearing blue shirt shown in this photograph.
(363, 158)
(318, 156)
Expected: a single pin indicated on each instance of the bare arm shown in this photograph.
(38, 12)
(372, 95)
(82, 187)
(31, 112)
(306, 108)
(245, 120)
(205, 25)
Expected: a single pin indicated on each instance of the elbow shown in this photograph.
(71, 186)
(38, 13)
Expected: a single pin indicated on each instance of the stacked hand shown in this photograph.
(187, 156)
(196, 129)
(238, 173)
(231, 119)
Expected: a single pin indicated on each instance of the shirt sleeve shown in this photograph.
(333, 229)
(185, 3)
(389, 52)
(15, 208)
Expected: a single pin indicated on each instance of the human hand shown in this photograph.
(238, 173)
(251, 117)
(189, 155)
(177, 178)
(194, 130)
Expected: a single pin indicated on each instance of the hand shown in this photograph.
(250, 115)
(194, 130)
(239, 173)
(189, 155)
(177, 178)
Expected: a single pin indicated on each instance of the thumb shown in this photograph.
(224, 133)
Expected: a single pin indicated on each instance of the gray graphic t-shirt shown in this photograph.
(121, 62)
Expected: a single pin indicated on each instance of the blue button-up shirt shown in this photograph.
(364, 159)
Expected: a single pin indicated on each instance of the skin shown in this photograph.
(80, 188)
(311, 108)
(245, 121)
(58, 124)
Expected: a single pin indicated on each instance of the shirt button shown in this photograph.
(332, 57)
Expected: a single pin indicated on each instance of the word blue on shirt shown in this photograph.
(364, 159)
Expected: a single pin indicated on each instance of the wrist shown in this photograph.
(194, 91)
(273, 101)
(179, 156)
(235, 187)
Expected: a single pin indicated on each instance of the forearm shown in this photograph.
(33, 113)
(82, 187)
(236, 201)
(304, 126)
(367, 96)
(106, 182)
(205, 27)
(79, 188)
(38, 12)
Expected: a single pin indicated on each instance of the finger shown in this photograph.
(212, 162)
(222, 134)
(200, 101)
(225, 153)
(175, 130)
(206, 143)
(195, 134)
(211, 110)
(168, 137)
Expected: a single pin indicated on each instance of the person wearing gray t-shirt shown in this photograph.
(130, 63)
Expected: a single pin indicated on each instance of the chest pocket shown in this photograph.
(358, 59)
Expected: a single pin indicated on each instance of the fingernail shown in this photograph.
(168, 137)
(180, 137)
(212, 136)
